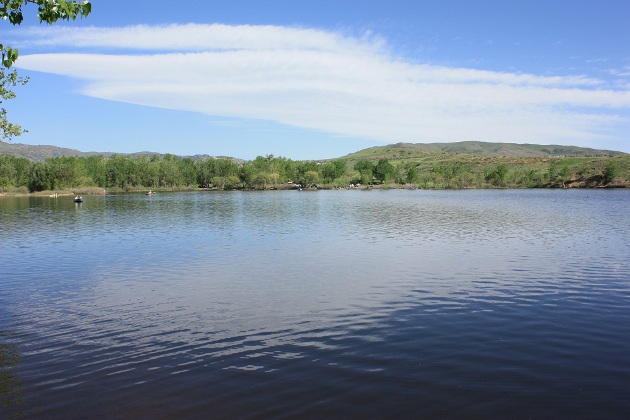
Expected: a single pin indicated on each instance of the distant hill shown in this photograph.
(410, 150)
(37, 153)
(41, 153)
(392, 151)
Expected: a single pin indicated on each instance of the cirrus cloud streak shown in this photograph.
(324, 81)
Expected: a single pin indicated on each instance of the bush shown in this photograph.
(611, 171)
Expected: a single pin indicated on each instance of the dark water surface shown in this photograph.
(329, 304)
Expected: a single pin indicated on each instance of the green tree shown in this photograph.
(167, 171)
(7, 171)
(328, 172)
(14, 171)
(93, 167)
(229, 182)
(498, 175)
(531, 178)
(451, 173)
(7, 81)
(284, 167)
(273, 178)
(365, 169)
(384, 171)
(226, 167)
(63, 171)
(333, 170)
(261, 164)
(258, 180)
(248, 175)
(39, 178)
(48, 11)
(118, 171)
(302, 175)
(409, 173)
(205, 172)
(311, 178)
(187, 173)
(611, 171)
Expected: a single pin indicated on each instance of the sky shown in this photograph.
(318, 79)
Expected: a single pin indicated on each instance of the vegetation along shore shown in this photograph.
(430, 166)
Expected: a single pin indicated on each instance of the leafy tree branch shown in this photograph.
(49, 11)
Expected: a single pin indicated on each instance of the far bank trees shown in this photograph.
(170, 172)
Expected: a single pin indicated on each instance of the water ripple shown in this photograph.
(331, 304)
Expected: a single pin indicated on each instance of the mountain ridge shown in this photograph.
(484, 149)
(43, 152)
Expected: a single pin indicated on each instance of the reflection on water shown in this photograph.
(312, 304)
(10, 399)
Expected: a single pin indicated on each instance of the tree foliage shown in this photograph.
(384, 171)
(127, 173)
(497, 176)
(611, 171)
(9, 80)
(48, 11)
(365, 168)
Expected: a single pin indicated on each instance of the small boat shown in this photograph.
(78, 199)
(151, 192)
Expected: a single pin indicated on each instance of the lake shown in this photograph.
(316, 304)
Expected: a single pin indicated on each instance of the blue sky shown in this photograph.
(319, 79)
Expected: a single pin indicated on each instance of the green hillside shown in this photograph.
(487, 165)
(422, 150)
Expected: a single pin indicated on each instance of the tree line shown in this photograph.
(128, 173)
(123, 172)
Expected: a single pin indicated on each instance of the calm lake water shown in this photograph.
(326, 304)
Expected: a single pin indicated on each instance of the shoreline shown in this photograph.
(92, 191)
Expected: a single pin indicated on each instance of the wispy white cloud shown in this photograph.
(198, 37)
(325, 81)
